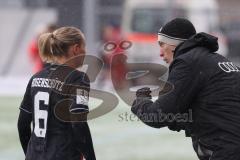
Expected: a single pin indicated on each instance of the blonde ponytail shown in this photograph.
(44, 46)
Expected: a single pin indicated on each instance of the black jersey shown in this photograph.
(52, 96)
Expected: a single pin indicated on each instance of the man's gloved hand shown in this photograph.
(143, 96)
(144, 93)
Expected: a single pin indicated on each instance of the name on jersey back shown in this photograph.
(47, 83)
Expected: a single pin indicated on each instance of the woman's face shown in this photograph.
(166, 52)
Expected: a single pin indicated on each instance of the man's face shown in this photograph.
(166, 52)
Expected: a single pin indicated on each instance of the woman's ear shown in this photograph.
(75, 49)
(82, 49)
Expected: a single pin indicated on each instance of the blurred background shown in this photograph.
(116, 136)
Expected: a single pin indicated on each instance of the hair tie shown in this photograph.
(52, 36)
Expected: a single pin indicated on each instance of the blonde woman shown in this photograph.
(55, 136)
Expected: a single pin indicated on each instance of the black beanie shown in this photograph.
(176, 31)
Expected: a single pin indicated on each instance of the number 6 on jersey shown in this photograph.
(40, 115)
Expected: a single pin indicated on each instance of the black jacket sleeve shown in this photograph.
(24, 128)
(83, 140)
(25, 118)
(81, 132)
(165, 111)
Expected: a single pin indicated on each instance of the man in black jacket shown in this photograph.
(206, 87)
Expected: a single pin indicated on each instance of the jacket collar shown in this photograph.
(199, 40)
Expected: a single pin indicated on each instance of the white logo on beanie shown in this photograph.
(176, 31)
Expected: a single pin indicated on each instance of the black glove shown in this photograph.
(144, 93)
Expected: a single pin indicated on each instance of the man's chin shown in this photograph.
(166, 61)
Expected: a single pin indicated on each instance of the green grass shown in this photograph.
(113, 137)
